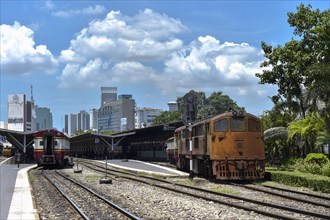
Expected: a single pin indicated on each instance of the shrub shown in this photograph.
(318, 158)
(291, 163)
(326, 170)
(313, 168)
(300, 166)
(317, 183)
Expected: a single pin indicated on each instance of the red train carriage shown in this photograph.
(228, 146)
(51, 147)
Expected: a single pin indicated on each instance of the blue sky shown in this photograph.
(154, 50)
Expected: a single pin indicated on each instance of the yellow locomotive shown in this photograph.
(228, 146)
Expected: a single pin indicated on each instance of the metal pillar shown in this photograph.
(191, 173)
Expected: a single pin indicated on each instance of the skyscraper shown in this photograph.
(44, 118)
(117, 115)
(83, 121)
(108, 94)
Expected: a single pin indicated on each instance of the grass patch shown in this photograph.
(225, 190)
(91, 178)
(31, 177)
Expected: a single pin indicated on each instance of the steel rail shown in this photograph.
(298, 192)
(278, 206)
(270, 214)
(283, 196)
(115, 206)
(81, 213)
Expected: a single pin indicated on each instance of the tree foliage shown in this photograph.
(216, 103)
(167, 117)
(299, 65)
(301, 70)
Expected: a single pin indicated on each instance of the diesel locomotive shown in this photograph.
(228, 146)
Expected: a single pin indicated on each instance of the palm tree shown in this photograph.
(308, 129)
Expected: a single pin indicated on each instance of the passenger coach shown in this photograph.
(51, 147)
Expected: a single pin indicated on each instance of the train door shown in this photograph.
(48, 143)
(206, 134)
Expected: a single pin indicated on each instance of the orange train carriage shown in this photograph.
(228, 146)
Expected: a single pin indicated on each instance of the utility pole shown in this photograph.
(189, 116)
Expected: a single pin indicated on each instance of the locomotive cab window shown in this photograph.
(221, 125)
(237, 124)
(253, 125)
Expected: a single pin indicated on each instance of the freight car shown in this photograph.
(228, 146)
(51, 148)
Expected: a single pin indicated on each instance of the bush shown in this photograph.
(313, 168)
(300, 165)
(326, 170)
(318, 158)
(317, 183)
(291, 163)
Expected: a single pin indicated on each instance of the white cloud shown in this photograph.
(97, 9)
(143, 50)
(48, 4)
(19, 54)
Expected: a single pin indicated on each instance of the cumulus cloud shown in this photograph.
(144, 50)
(19, 54)
(119, 41)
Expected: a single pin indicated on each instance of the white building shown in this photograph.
(83, 121)
(93, 119)
(70, 124)
(117, 115)
(17, 112)
(3, 125)
(172, 106)
(144, 117)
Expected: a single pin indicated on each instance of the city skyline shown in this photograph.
(153, 50)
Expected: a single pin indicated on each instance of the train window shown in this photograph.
(237, 124)
(253, 125)
(197, 130)
(221, 125)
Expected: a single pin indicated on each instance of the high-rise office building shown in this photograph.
(93, 119)
(117, 115)
(83, 121)
(71, 124)
(44, 118)
(144, 117)
(108, 94)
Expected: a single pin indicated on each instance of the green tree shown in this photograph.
(216, 103)
(293, 67)
(167, 117)
(108, 132)
(311, 129)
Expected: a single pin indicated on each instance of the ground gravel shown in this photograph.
(145, 201)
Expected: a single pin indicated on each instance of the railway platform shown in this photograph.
(15, 192)
(140, 166)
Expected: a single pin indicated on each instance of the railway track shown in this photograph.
(216, 197)
(312, 199)
(88, 203)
